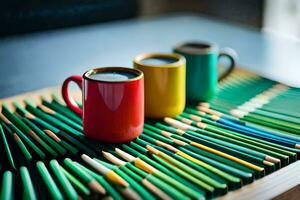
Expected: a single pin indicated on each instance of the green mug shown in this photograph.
(202, 69)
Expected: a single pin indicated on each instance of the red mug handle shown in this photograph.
(71, 103)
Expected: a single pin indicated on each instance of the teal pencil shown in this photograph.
(42, 134)
(28, 188)
(7, 189)
(64, 110)
(27, 155)
(35, 148)
(52, 188)
(109, 187)
(7, 149)
(25, 129)
(66, 186)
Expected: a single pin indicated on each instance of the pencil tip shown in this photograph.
(116, 178)
(96, 187)
(272, 159)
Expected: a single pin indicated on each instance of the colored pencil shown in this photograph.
(19, 142)
(7, 188)
(35, 148)
(156, 181)
(184, 144)
(28, 188)
(237, 133)
(151, 170)
(24, 128)
(107, 186)
(7, 149)
(58, 107)
(63, 143)
(240, 146)
(184, 126)
(260, 133)
(60, 117)
(67, 128)
(52, 188)
(50, 119)
(190, 168)
(219, 144)
(136, 177)
(188, 159)
(143, 180)
(204, 170)
(250, 105)
(85, 177)
(82, 144)
(111, 175)
(46, 137)
(140, 152)
(81, 188)
(140, 191)
(64, 183)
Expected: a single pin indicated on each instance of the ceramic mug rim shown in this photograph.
(139, 74)
(180, 60)
(210, 48)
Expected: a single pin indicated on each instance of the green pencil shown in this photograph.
(186, 166)
(7, 149)
(64, 183)
(7, 189)
(111, 175)
(85, 177)
(28, 188)
(63, 143)
(108, 187)
(163, 185)
(144, 194)
(142, 153)
(202, 167)
(81, 188)
(19, 142)
(50, 119)
(222, 140)
(64, 110)
(134, 178)
(245, 138)
(151, 170)
(151, 187)
(24, 128)
(48, 181)
(60, 133)
(35, 148)
(229, 153)
(219, 162)
(61, 117)
(42, 134)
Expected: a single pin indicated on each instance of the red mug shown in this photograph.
(113, 103)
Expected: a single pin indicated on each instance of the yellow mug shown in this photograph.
(164, 82)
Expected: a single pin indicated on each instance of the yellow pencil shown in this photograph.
(110, 174)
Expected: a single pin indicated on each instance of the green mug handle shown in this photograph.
(231, 55)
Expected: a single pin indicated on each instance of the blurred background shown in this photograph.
(44, 41)
(24, 16)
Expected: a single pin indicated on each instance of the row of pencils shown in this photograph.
(202, 153)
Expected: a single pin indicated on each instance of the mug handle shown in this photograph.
(71, 103)
(231, 55)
